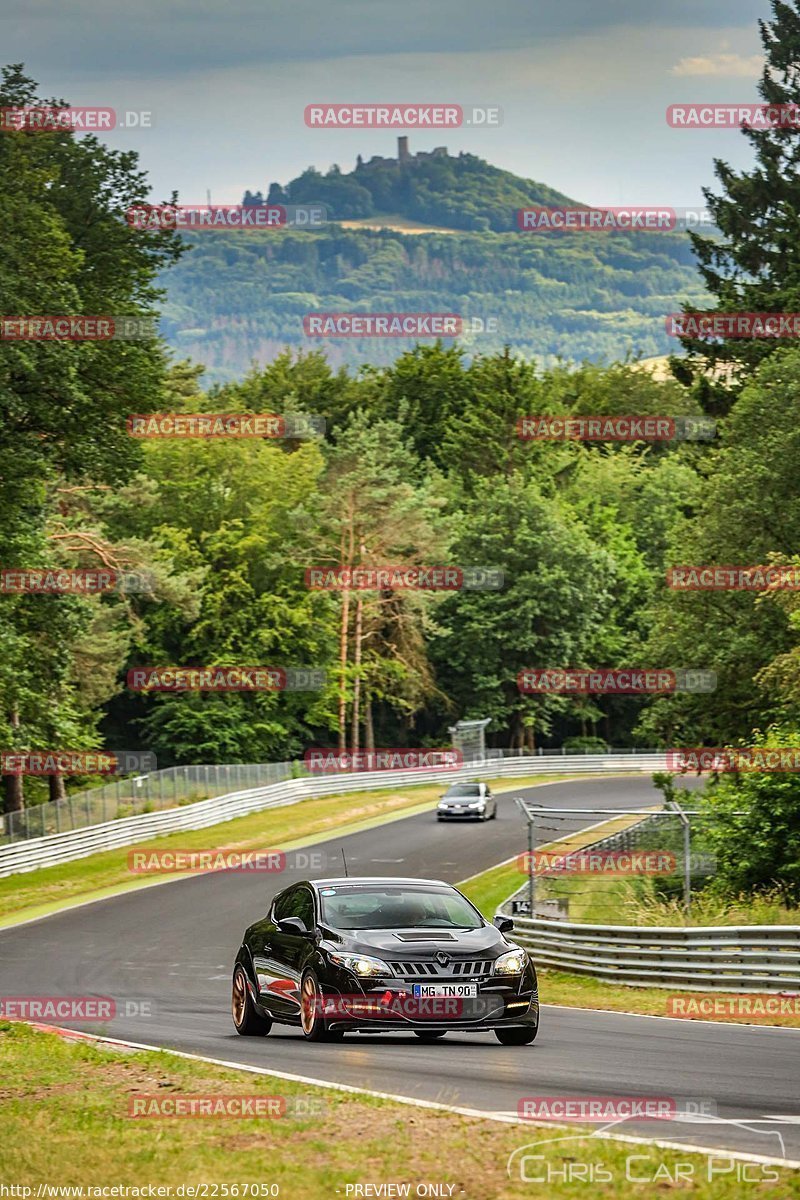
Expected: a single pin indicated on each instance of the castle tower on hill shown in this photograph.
(404, 156)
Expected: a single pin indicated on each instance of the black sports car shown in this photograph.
(373, 955)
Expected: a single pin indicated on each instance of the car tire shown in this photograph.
(517, 1035)
(315, 1028)
(247, 1021)
(430, 1035)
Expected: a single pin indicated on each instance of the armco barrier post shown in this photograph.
(687, 851)
(530, 868)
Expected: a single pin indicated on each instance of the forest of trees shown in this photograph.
(420, 465)
(234, 299)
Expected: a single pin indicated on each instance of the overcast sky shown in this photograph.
(583, 84)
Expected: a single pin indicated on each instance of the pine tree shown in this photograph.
(755, 267)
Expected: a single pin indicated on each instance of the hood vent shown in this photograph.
(425, 936)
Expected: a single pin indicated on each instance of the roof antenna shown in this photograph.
(344, 860)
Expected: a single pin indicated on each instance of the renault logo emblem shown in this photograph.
(442, 958)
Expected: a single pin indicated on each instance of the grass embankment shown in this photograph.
(614, 900)
(492, 887)
(65, 1109)
(489, 889)
(37, 893)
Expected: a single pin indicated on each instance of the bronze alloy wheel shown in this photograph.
(239, 998)
(248, 1021)
(315, 1027)
(309, 999)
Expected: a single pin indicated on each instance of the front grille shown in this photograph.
(463, 969)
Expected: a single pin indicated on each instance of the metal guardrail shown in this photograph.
(33, 853)
(172, 786)
(719, 958)
(723, 958)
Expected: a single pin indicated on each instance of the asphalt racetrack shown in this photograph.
(172, 946)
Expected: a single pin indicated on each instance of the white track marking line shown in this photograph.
(434, 1105)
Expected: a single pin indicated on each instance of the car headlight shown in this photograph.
(477, 804)
(512, 963)
(362, 964)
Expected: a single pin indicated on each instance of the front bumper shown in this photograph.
(388, 1004)
(453, 814)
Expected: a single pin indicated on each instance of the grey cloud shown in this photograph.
(152, 39)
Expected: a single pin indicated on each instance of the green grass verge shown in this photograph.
(66, 1123)
(489, 889)
(582, 991)
(492, 887)
(49, 889)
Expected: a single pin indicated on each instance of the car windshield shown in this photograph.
(388, 907)
(463, 791)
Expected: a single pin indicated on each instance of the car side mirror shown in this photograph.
(295, 925)
(504, 924)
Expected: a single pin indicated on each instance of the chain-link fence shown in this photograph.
(609, 867)
(128, 797)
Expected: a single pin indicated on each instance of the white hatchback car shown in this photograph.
(467, 802)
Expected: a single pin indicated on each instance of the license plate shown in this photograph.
(460, 991)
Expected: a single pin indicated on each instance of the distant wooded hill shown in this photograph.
(460, 192)
(239, 297)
